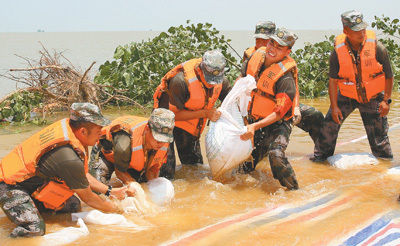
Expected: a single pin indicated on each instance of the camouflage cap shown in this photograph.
(213, 66)
(354, 20)
(284, 37)
(264, 29)
(162, 123)
(87, 112)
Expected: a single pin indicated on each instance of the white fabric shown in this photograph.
(161, 191)
(139, 203)
(225, 150)
(394, 171)
(350, 160)
(98, 218)
(66, 235)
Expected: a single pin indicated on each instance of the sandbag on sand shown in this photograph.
(66, 235)
(225, 150)
(350, 160)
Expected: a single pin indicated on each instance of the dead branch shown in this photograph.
(60, 83)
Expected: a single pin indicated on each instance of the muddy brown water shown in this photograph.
(330, 205)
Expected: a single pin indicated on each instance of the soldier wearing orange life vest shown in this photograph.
(134, 147)
(272, 104)
(263, 30)
(307, 118)
(191, 90)
(45, 171)
(361, 70)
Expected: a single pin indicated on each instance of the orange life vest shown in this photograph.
(372, 75)
(263, 98)
(248, 52)
(21, 163)
(198, 99)
(135, 126)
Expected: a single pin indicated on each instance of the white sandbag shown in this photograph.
(161, 191)
(66, 235)
(225, 150)
(139, 203)
(98, 218)
(350, 160)
(394, 171)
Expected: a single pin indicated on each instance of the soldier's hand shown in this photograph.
(119, 193)
(249, 134)
(213, 114)
(337, 115)
(383, 108)
(131, 191)
(296, 116)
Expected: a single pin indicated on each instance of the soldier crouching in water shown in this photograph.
(134, 147)
(44, 172)
(272, 106)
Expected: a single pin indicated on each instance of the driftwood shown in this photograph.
(60, 83)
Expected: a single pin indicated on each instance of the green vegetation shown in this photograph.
(138, 67)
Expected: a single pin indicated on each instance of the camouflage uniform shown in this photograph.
(272, 141)
(23, 210)
(311, 121)
(375, 126)
(188, 146)
(161, 124)
(17, 202)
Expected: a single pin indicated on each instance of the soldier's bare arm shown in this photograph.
(94, 201)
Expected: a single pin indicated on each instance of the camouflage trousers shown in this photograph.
(376, 127)
(99, 167)
(189, 152)
(272, 141)
(311, 121)
(23, 210)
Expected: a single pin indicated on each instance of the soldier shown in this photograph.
(272, 106)
(44, 172)
(190, 90)
(307, 118)
(359, 65)
(134, 147)
(263, 30)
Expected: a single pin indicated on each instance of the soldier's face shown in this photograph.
(92, 134)
(275, 52)
(355, 37)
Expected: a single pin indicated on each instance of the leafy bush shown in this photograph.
(20, 106)
(313, 66)
(391, 32)
(139, 67)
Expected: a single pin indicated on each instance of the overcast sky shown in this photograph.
(134, 15)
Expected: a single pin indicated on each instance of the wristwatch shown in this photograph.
(108, 192)
(388, 101)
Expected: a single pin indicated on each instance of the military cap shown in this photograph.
(264, 29)
(162, 123)
(87, 112)
(354, 20)
(284, 37)
(213, 66)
